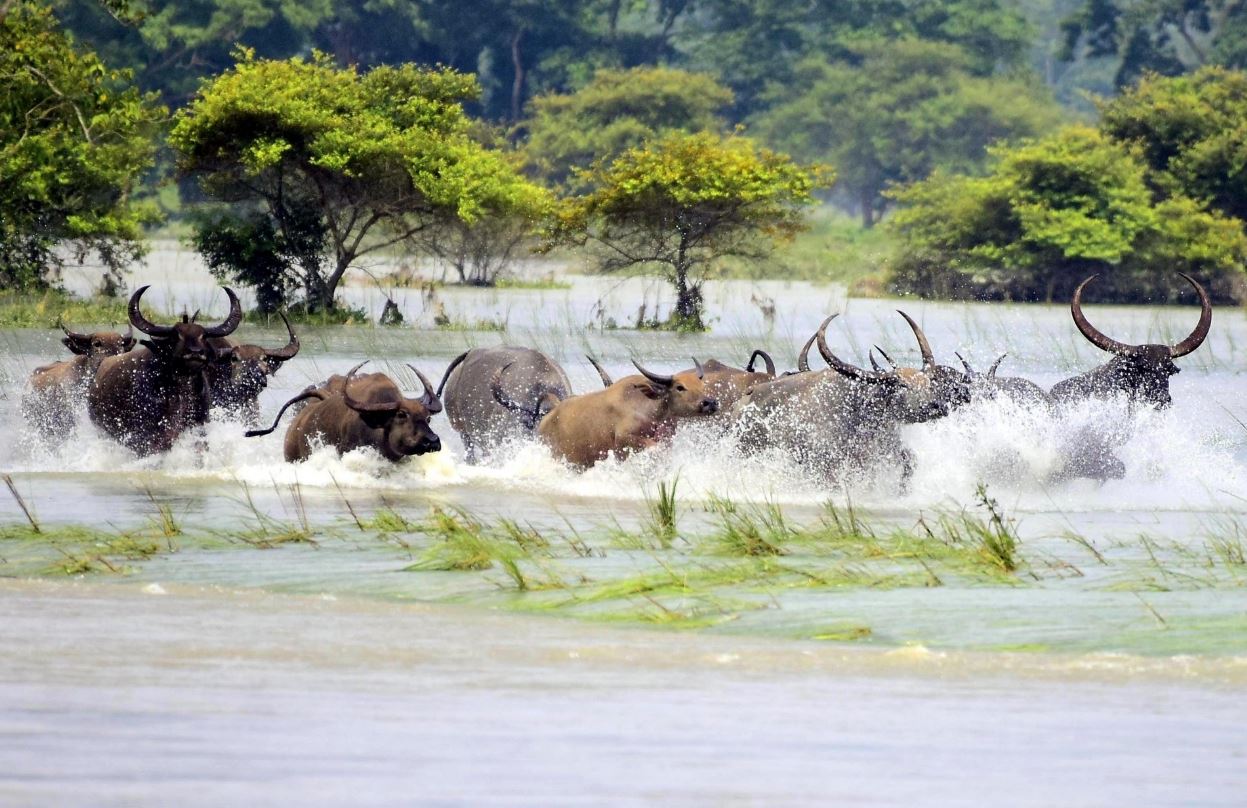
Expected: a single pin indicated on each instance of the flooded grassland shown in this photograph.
(1096, 630)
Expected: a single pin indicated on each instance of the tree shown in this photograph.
(617, 110)
(896, 112)
(753, 45)
(1168, 37)
(378, 156)
(74, 137)
(1192, 132)
(681, 202)
(1052, 212)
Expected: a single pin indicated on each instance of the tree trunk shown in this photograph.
(688, 296)
(867, 202)
(517, 85)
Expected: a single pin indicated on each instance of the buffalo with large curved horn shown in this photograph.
(242, 372)
(146, 398)
(1140, 372)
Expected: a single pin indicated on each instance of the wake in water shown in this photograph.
(1169, 458)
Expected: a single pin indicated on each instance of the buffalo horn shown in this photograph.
(142, 323)
(430, 400)
(1201, 329)
(766, 360)
(840, 366)
(928, 356)
(886, 357)
(291, 348)
(803, 358)
(665, 381)
(74, 335)
(1093, 335)
(364, 406)
(991, 371)
(231, 322)
(607, 381)
(969, 370)
(873, 363)
(701, 372)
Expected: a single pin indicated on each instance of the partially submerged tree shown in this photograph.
(680, 203)
(379, 157)
(1052, 212)
(617, 110)
(74, 138)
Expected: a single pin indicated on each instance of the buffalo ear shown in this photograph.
(77, 345)
(650, 391)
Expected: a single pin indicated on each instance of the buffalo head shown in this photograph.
(98, 345)
(1141, 371)
(404, 422)
(186, 344)
(685, 391)
(918, 394)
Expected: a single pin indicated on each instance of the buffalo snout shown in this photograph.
(709, 406)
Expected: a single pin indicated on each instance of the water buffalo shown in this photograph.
(634, 413)
(532, 380)
(845, 421)
(990, 386)
(723, 382)
(56, 388)
(147, 398)
(241, 373)
(352, 412)
(1140, 372)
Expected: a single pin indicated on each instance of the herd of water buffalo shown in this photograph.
(837, 421)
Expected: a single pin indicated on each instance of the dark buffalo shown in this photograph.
(353, 412)
(147, 398)
(845, 421)
(532, 381)
(633, 414)
(55, 389)
(242, 372)
(1140, 372)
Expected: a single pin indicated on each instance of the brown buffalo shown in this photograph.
(1140, 372)
(242, 371)
(147, 398)
(353, 412)
(55, 389)
(845, 421)
(634, 413)
(724, 383)
(532, 380)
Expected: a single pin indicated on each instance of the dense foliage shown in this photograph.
(615, 111)
(683, 202)
(1054, 211)
(74, 137)
(1167, 37)
(378, 156)
(896, 111)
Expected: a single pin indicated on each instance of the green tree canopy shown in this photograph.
(378, 156)
(895, 113)
(1192, 131)
(1051, 212)
(679, 203)
(74, 137)
(617, 110)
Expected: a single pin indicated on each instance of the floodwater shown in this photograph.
(1111, 669)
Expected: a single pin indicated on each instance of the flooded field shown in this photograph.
(1096, 632)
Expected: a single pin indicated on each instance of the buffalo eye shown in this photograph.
(679, 388)
(400, 415)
